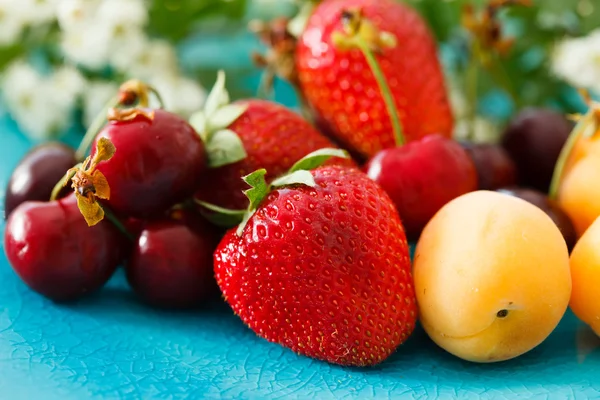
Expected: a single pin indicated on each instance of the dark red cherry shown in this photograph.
(550, 207)
(495, 168)
(422, 176)
(37, 173)
(52, 249)
(534, 139)
(171, 265)
(158, 162)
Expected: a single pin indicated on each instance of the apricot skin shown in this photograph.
(579, 193)
(585, 274)
(483, 253)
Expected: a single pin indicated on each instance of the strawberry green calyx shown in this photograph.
(588, 125)
(223, 146)
(360, 33)
(299, 174)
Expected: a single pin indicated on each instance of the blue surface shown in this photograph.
(110, 346)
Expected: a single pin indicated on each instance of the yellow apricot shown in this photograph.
(585, 274)
(579, 193)
(492, 277)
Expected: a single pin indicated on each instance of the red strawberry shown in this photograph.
(342, 86)
(272, 136)
(322, 267)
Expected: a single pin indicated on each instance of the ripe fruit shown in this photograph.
(37, 173)
(495, 168)
(550, 207)
(421, 176)
(491, 277)
(585, 274)
(52, 249)
(159, 161)
(579, 193)
(273, 136)
(322, 268)
(171, 264)
(342, 86)
(534, 140)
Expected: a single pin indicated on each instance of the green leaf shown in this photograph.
(302, 177)
(318, 158)
(224, 147)
(218, 96)
(225, 116)
(223, 217)
(259, 186)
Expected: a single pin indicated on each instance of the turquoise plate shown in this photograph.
(110, 346)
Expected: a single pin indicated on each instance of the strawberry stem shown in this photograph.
(386, 92)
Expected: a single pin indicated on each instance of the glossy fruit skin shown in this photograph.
(37, 173)
(550, 207)
(585, 274)
(421, 177)
(343, 91)
(483, 253)
(171, 263)
(275, 138)
(324, 271)
(534, 140)
(495, 168)
(157, 163)
(51, 248)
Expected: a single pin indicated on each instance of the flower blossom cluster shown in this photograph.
(93, 35)
(577, 61)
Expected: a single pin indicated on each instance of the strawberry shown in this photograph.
(321, 265)
(270, 135)
(369, 69)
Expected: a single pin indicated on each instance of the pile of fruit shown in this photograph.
(302, 224)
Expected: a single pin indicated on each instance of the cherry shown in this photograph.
(36, 174)
(495, 168)
(550, 207)
(171, 265)
(534, 140)
(51, 248)
(422, 176)
(159, 161)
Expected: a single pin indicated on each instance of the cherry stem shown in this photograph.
(564, 157)
(117, 223)
(94, 128)
(390, 104)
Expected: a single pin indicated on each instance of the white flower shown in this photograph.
(181, 95)
(12, 22)
(32, 101)
(75, 14)
(66, 84)
(88, 47)
(35, 12)
(123, 12)
(577, 61)
(125, 47)
(484, 130)
(95, 97)
(157, 57)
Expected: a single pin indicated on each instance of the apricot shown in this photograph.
(579, 194)
(492, 277)
(585, 275)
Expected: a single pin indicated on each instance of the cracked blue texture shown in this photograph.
(109, 346)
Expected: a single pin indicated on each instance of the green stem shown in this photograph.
(93, 129)
(117, 223)
(500, 75)
(390, 104)
(564, 157)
